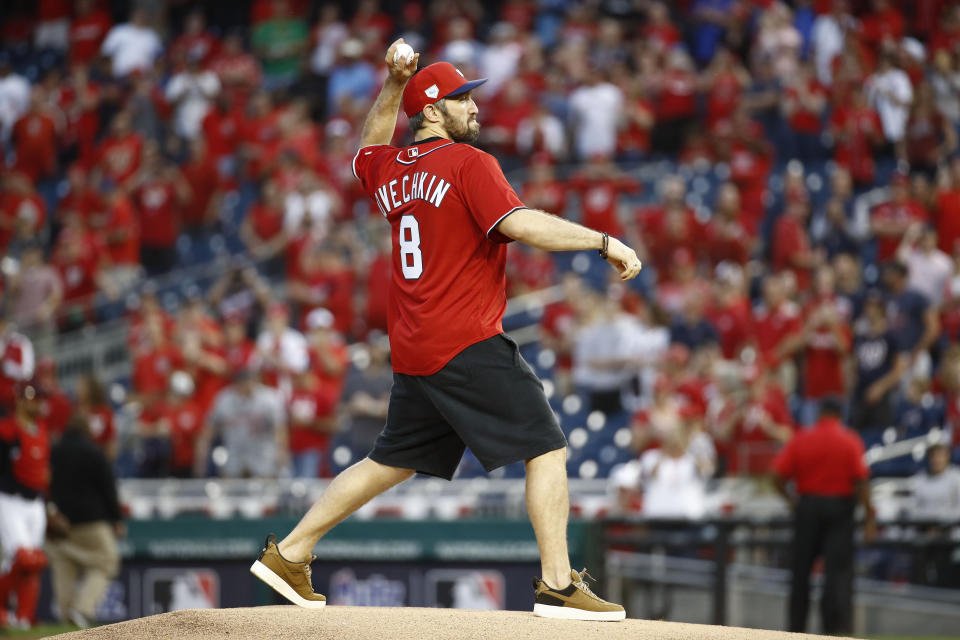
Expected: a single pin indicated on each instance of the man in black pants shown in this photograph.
(827, 466)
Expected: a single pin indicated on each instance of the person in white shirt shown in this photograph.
(828, 35)
(14, 96)
(936, 492)
(132, 46)
(281, 350)
(673, 478)
(928, 268)
(891, 94)
(544, 128)
(596, 109)
(501, 56)
(192, 91)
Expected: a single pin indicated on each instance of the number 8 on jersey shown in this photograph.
(411, 259)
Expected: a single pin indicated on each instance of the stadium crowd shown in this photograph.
(822, 258)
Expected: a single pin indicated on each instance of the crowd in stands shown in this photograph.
(801, 238)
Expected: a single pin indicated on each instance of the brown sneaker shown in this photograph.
(576, 602)
(289, 579)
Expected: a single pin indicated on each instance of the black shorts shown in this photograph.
(486, 398)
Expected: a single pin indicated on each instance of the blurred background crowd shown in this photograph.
(788, 172)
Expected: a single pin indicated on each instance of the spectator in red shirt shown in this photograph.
(791, 245)
(324, 280)
(675, 101)
(884, 22)
(857, 133)
(79, 99)
(53, 24)
(726, 239)
(153, 366)
(119, 154)
(201, 344)
(558, 328)
(261, 135)
(752, 430)
(122, 236)
(195, 41)
(83, 199)
(660, 421)
(659, 32)
(377, 286)
(508, 109)
(742, 144)
(184, 418)
(311, 416)
(87, 31)
(670, 226)
(803, 106)
(222, 128)
(827, 464)
(827, 341)
(729, 312)
(543, 190)
(238, 71)
(725, 80)
(82, 260)
(890, 220)
(202, 209)
(930, 138)
(92, 404)
(777, 320)
(946, 213)
(160, 192)
(56, 407)
(238, 347)
(35, 139)
(262, 229)
(23, 214)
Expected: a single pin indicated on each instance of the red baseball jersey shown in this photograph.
(443, 200)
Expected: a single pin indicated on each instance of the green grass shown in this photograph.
(39, 631)
(915, 638)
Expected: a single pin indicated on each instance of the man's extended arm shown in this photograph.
(548, 232)
(381, 122)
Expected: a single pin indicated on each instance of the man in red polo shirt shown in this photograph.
(826, 463)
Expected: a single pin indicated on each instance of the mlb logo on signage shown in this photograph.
(176, 589)
(465, 589)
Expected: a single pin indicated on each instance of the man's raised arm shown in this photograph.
(548, 232)
(381, 122)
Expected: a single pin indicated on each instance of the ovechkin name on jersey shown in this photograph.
(417, 186)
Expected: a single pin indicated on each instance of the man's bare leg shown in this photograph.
(353, 488)
(548, 503)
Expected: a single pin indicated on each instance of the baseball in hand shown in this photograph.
(403, 54)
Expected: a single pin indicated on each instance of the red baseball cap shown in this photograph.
(435, 82)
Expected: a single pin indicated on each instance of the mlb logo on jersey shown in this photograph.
(413, 152)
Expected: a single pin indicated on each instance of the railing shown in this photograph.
(665, 557)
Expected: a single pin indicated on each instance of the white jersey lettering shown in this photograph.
(439, 193)
(415, 186)
(393, 194)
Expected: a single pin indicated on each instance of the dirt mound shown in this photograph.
(373, 623)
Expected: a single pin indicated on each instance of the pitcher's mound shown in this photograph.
(409, 623)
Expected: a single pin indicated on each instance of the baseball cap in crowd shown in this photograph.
(319, 319)
(435, 82)
(181, 383)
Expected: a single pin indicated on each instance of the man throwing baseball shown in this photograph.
(458, 380)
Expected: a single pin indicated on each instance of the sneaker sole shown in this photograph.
(572, 613)
(278, 584)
